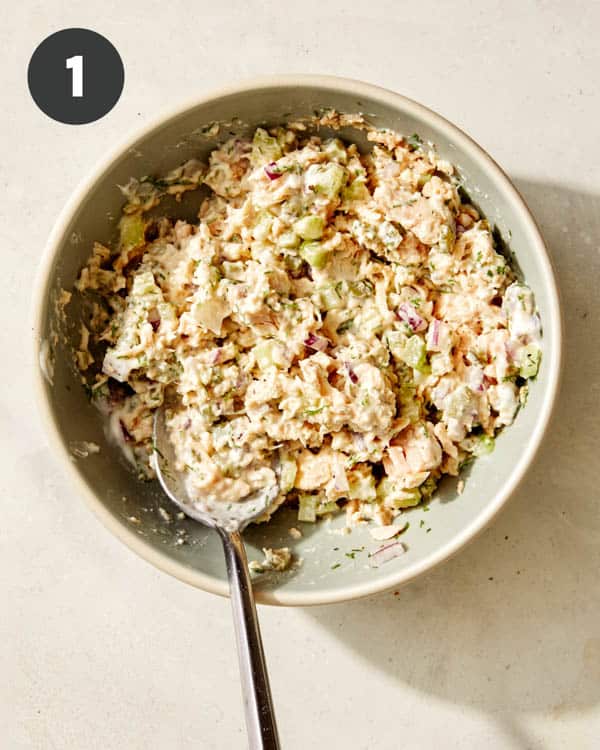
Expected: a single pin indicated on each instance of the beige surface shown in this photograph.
(500, 648)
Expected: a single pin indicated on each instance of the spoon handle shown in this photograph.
(258, 704)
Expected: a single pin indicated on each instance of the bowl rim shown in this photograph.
(553, 329)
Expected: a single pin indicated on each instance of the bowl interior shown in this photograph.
(334, 566)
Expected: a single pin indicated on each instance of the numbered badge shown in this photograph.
(75, 76)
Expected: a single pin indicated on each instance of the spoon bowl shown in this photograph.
(212, 513)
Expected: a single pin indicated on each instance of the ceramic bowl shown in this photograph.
(334, 566)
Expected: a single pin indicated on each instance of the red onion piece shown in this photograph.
(216, 356)
(154, 319)
(386, 553)
(272, 171)
(436, 332)
(318, 343)
(351, 374)
(408, 314)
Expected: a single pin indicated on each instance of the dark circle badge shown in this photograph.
(75, 76)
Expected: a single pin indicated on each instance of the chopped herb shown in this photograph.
(334, 567)
(310, 412)
(361, 288)
(414, 142)
(347, 324)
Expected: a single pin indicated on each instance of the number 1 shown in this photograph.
(76, 65)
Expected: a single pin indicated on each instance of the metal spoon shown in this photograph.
(258, 704)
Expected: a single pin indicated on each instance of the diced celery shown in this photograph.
(483, 445)
(262, 228)
(326, 179)
(281, 135)
(447, 238)
(329, 297)
(287, 471)
(423, 180)
(530, 361)
(265, 148)
(396, 341)
(131, 231)
(361, 483)
(268, 354)
(288, 240)
(428, 487)
(395, 496)
(410, 406)
(335, 149)
(315, 254)
(361, 288)
(414, 353)
(293, 262)
(307, 508)
(309, 227)
(356, 191)
(143, 284)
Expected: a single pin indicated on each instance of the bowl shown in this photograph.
(334, 565)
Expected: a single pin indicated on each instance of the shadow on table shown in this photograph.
(512, 623)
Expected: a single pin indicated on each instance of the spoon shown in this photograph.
(258, 704)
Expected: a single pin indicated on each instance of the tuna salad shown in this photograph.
(340, 322)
